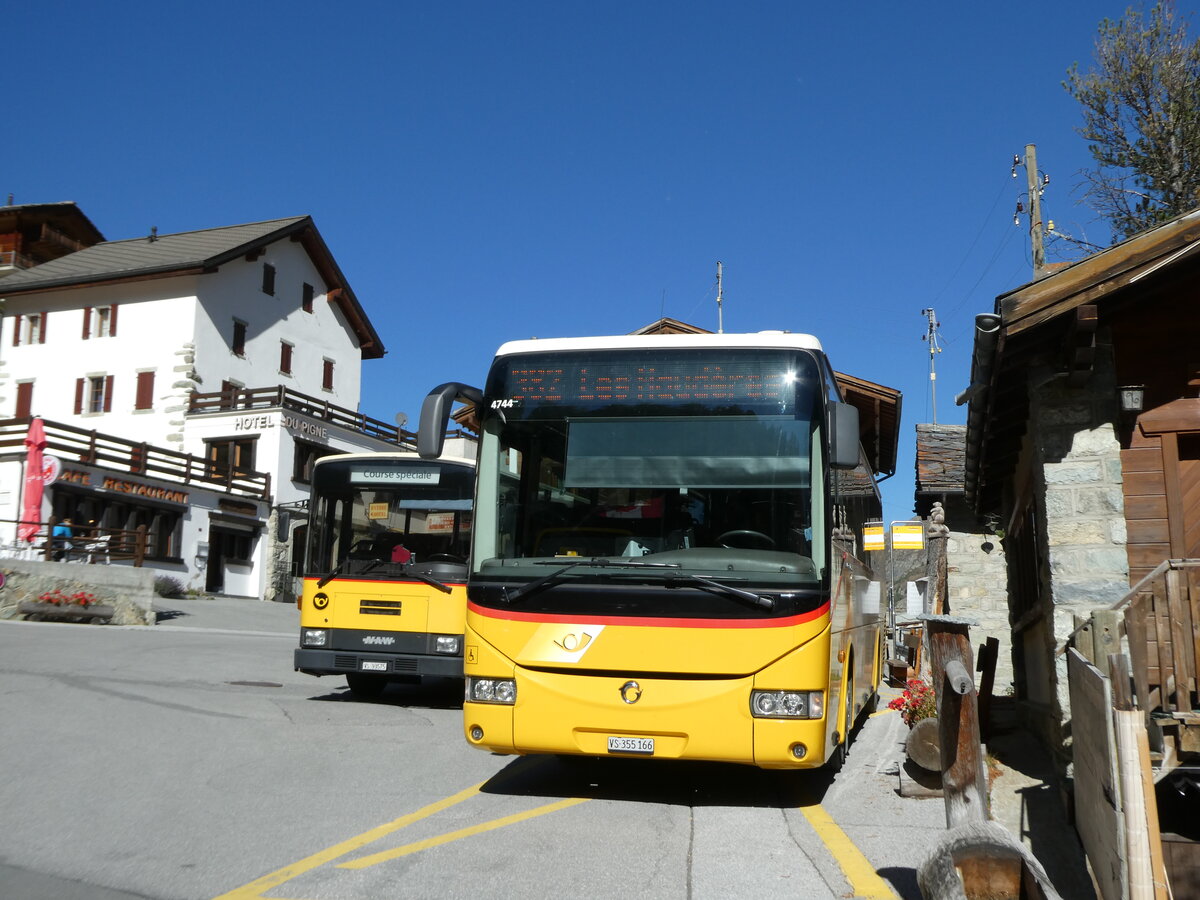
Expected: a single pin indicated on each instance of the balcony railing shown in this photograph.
(71, 444)
(281, 397)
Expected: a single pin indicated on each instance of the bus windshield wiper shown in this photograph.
(337, 570)
(432, 582)
(555, 577)
(725, 590)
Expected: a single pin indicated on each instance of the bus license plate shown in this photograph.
(631, 745)
(371, 666)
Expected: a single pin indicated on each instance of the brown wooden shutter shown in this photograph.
(145, 390)
(79, 388)
(42, 330)
(112, 321)
(285, 358)
(87, 321)
(24, 399)
(108, 383)
(16, 331)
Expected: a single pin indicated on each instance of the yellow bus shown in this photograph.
(386, 562)
(666, 555)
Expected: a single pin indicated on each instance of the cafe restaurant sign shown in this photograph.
(107, 483)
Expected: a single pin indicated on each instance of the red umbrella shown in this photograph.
(31, 505)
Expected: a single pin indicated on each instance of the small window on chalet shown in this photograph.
(239, 337)
(29, 329)
(306, 298)
(93, 394)
(230, 456)
(327, 375)
(99, 321)
(285, 358)
(268, 285)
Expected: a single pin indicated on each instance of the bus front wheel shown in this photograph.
(366, 686)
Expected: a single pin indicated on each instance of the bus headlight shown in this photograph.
(449, 644)
(314, 637)
(787, 704)
(491, 690)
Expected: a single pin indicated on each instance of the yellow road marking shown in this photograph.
(385, 855)
(863, 879)
(255, 889)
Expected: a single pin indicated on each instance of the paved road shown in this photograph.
(188, 760)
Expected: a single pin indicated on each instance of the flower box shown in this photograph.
(37, 611)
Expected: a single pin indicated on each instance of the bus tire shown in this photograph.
(365, 686)
(837, 758)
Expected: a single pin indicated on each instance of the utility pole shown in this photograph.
(931, 336)
(720, 321)
(1035, 209)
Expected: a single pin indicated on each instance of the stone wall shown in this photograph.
(130, 591)
(977, 589)
(1078, 486)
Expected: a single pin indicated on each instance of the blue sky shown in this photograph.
(488, 171)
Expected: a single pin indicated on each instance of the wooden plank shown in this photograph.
(1182, 646)
(1147, 531)
(1193, 582)
(1144, 483)
(1147, 555)
(1137, 628)
(1146, 506)
(1175, 506)
(1162, 638)
(1141, 459)
(1097, 802)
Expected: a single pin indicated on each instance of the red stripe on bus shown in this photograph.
(650, 622)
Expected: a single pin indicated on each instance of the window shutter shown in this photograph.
(87, 321)
(145, 390)
(16, 331)
(285, 358)
(24, 399)
(42, 330)
(79, 385)
(108, 382)
(112, 321)
(327, 376)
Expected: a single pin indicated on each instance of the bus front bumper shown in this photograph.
(349, 662)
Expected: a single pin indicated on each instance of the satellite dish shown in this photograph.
(401, 419)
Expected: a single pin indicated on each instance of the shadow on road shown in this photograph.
(427, 693)
(671, 782)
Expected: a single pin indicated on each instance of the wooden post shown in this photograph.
(139, 546)
(989, 652)
(48, 547)
(964, 780)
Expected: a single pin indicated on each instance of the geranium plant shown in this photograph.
(917, 702)
(58, 598)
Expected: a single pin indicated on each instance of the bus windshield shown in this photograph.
(382, 514)
(664, 466)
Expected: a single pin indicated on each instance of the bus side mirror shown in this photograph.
(844, 443)
(435, 414)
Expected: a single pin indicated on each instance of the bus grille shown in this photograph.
(404, 665)
(345, 662)
(380, 607)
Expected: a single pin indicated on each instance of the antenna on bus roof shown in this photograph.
(720, 321)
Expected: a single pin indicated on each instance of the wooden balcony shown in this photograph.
(105, 451)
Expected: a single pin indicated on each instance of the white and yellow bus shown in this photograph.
(666, 554)
(388, 541)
